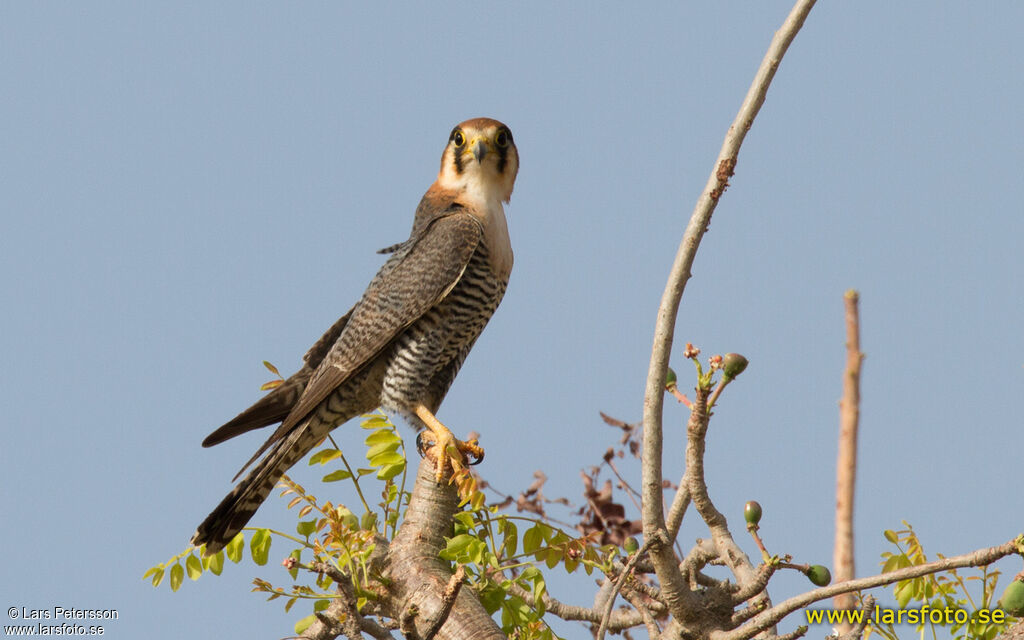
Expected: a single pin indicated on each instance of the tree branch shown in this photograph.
(620, 619)
(854, 632)
(626, 572)
(725, 546)
(653, 632)
(768, 618)
(846, 465)
(677, 596)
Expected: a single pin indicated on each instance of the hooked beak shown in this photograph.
(479, 148)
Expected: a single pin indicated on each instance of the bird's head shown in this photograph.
(480, 160)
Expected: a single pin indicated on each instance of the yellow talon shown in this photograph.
(447, 450)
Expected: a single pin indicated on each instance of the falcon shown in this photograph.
(400, 347)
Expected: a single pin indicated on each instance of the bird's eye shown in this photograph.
(458, 138)
(502, 138)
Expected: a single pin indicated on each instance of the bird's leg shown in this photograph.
(447, 449)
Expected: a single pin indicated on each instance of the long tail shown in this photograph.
(235, 510)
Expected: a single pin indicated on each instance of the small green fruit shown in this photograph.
(670, 378)
(752, 512)
(819, 575)
(733, 364)
(631, 545)
(1012, 601)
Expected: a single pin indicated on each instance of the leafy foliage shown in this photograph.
(946, 590)
(503, 554)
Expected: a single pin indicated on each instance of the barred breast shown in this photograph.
(426, 357)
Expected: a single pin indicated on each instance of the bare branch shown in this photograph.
(620, 619)
(725, 546)
(799, 632)
(846, 465)
(676, 593)
(764, 573)
(677, 511)
(855, 632)
(447, 602)
(768, 618)
(375, 629)
(342, 616)
(610, 603)
(653, 632)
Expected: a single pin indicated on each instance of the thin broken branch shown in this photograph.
(846, 465)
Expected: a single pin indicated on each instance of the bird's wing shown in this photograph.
(276, 405)
(409, 284)
(319, 351)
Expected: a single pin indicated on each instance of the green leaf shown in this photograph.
(195, 568)
(539, 589)
(324, 456)
(383, 447)
(891, 564)
(571, 564)
(558, 537)
(177, 575)
(364, 472)
(387, 458)
(491, 598)
(891, 536)
(340, 474)
(904, 592)
(554, 556)
(476, 551)
(271, 368)
(216, 563)
(389, 471)
(380, 436)
(476, 501)
(158, 576)
(532, 539)
(235, 548)
(457, 545)
(306, 527)
(348, 518)
(465, 518)
(304, 623)
(375, 422)
(511, 541)
(259, 546)
(296, 554)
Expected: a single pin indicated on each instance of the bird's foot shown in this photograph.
(448, 452)
(445, 451)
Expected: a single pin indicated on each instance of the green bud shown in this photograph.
(733, 364)
(631, 545)
(819, 575)
(1012, 601)
(670, 378)
(752, 512)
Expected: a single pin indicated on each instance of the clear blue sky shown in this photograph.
(188, 189)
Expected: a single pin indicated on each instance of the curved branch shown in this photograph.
(674, 587)
(768, 618)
